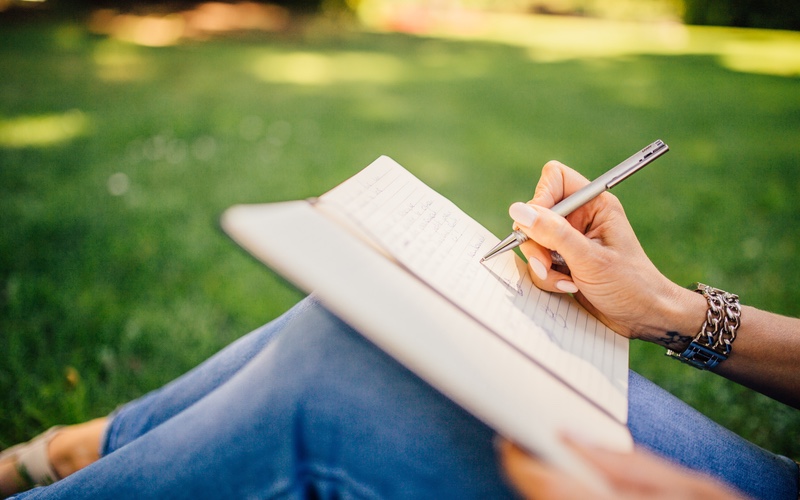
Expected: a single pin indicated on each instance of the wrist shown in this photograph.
(712, 344)
(678, 316)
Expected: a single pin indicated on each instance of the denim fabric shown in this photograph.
(305, 407)
(160, 405)
(668, 426)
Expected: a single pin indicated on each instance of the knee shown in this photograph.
(336, 406)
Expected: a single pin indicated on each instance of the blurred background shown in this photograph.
(126, 128)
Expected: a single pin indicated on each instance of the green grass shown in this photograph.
(117, 160)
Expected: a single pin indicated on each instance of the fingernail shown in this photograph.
(522, 213)
(538, 268)
(567, 286)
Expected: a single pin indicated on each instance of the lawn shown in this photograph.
(116, 161)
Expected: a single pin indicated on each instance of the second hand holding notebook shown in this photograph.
(401, 264)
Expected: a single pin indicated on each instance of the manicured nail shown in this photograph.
(538, 268)
(522, 213)
(567, 286)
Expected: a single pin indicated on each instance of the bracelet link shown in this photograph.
(712, 344)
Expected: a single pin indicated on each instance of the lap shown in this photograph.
(318, 411)
(668, 426)
(317, 408)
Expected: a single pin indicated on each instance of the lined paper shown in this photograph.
(440, 244)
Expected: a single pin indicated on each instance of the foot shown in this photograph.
(76, 446)
(64, 450)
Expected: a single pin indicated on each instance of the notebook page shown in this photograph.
(441, 245)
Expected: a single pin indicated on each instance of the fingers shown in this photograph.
(556, 183)
(539, 258)
(634, 475)
(643, 474)
(616, 467)
(535, 479)
(546, 231)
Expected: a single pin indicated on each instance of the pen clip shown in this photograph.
(642, 158)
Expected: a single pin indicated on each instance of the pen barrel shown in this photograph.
(578, 199)
(610, 178)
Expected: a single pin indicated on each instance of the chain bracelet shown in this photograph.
(722, 318)
(713, 342)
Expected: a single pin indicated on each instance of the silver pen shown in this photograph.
(582, 196)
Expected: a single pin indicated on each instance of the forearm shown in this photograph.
(765, 355)
(611, 275)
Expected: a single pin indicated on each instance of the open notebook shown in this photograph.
(401, 264)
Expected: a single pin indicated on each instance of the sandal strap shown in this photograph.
(32, 460)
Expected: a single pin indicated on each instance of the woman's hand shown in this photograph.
(608, 271)
(637, 475)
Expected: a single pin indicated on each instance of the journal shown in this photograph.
(401, 264)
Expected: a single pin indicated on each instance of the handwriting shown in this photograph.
(516, 287)
(475, 245)
(432, 238)
(557, 318)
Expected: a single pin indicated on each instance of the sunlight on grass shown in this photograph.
(43, 130)
(162, 29)
(559, 38)
(119, 62)
(777, 56)
(310, 68)
(150, 31)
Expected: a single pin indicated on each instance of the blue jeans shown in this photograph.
(306, 407)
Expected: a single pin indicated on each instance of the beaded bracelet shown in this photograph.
(712, 344)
